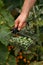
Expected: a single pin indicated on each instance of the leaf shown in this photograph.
(15, 3)
(11, 60)
(3, 53)
(36, 63)
(6, 21)
(7, 17)
(3, 31)
(1, 4)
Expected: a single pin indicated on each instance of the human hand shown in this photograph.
(20, 22)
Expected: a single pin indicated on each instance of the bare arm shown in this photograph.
(28, 4)
(20, 21)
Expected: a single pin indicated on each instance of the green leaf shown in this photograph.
(1, 4)
(6, 22)
(11, 60)
(3, 53)
(7, 17)
(3, 31)
(36, 63)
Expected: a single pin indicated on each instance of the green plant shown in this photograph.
(29, 43)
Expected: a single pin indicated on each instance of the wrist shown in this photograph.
(24, 14)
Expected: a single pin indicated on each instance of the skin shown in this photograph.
(20, 22)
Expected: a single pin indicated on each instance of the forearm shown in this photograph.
(28, 4)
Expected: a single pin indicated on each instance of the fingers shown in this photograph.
(16, 23)
(21, 25)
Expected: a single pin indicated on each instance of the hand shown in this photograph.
(20, 22)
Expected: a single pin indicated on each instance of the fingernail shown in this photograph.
(18, 28)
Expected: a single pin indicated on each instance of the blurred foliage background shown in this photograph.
(25, 48)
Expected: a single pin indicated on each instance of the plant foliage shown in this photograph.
(25, 46)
